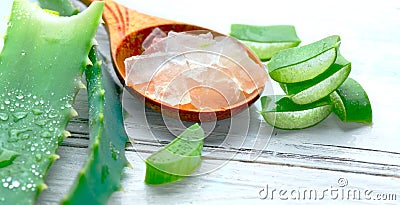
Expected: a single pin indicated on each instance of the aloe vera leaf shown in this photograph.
(96, 180)
(40, 73)
(100, 176)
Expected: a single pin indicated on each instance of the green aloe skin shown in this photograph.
(41, 65)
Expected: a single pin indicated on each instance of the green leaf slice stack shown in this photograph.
(315, 80)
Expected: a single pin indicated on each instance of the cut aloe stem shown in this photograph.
(265, 41)
(265, 51)
(351, 103)
(40, 73)
(304, 63)
(275, 33)
(280, 112)
(176, 160)
(321, 86)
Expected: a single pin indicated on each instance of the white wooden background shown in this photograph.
(318, 158)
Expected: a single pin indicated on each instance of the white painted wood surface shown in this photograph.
(319, 158)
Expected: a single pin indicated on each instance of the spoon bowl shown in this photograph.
(128, 29)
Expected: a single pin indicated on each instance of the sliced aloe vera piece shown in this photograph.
(351, 103)
(304, 63)
(265, 51)
(280, 112)
(265, 34)
(265, 41)
(176, 160)
(40, 73)
(312, 90)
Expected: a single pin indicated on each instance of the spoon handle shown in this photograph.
(122, 21)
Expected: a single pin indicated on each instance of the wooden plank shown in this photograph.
(279, 167)
(236, 181)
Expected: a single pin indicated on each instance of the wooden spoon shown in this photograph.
(127, 29)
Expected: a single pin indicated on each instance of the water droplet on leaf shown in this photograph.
(41, 123)
(13, 134)
(45, 134)
(36, 111)
(19, 115)
(3, 116)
